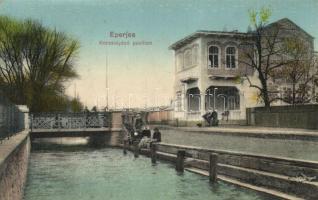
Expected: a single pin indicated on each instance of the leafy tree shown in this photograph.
(76, 105)
(35, 63)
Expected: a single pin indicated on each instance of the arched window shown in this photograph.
(230, 57)
(213, 57)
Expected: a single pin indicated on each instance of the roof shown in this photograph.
(201, 33)
(286, 20)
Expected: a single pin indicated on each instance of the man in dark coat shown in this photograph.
(208, 118)
(215, 121)
(156, 135)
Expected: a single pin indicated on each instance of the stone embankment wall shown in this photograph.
(283, 175)
(14, 156)
(300, 116)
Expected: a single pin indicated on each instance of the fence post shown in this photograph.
(213, 167)
(136, 150)
(31, 122)
(85, 120)
(125, 147)
(153, 153)
(58, 121)
(180, 161)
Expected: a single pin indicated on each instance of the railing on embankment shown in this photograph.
(12, 119)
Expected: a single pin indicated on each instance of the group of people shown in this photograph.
(211, 118)
(138, 132)
(145, 137)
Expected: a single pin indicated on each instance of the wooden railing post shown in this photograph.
(125, 146)
(153, 153)
(136, 150)
(213, 167)
(180, 161)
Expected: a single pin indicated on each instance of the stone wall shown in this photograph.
(14, 155)
(117, 119)
(160, 117)
(300, 116)
(288, 176)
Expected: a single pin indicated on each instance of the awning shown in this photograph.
(222, 77)
(189, 80)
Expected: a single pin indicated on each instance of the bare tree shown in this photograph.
(300, 72)
(264, 54)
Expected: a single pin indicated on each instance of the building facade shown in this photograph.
(209, 71)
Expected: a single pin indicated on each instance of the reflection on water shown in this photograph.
(105, 174)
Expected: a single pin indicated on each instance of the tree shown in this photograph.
(300, 72)
(76, 105)
(35, 62)
(264, 54)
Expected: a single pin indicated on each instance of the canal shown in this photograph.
(83, 173)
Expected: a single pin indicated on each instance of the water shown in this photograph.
(107, 174)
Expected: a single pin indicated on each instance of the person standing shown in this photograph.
(156, 135)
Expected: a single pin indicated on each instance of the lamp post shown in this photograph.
(214, 90)
(209, 98)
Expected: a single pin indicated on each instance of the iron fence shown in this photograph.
(70, 120)
(11, 118)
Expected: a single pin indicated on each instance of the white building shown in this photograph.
(208, 74)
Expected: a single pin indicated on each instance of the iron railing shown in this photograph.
(70, 120)
(11, 118)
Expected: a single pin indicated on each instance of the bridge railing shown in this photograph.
(70, 120)
(12, 119)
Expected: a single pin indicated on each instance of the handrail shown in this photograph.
(70, 120)
(11, 119)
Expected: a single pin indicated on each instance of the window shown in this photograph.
(187, 58)
(195, 51)
(179, 62)
(230, 57)
(233, 103)
(213, 56)
(178, 101)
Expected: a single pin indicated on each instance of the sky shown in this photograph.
(142, 75)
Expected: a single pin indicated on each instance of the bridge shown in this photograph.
(84, 124)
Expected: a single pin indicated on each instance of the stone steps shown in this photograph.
(277, 182)
(281, 185)
(270, 192)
